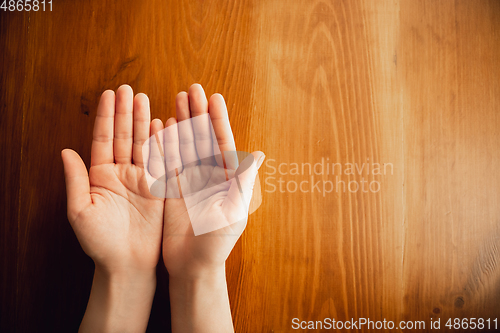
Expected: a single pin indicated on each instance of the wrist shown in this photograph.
(122, 287)
(120, 301)
(188, 286)
(200, 303)
(205, 275)
(126, 277)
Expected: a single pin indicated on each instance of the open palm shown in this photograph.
(206, 207)
(116, 219)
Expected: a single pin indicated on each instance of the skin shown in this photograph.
(121, 225)
(196, 264)
(117, 221)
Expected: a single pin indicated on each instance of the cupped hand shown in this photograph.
(115, 218)
(203, 195)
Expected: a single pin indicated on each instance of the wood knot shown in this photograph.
(459, 302)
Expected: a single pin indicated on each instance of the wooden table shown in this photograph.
(410, 85)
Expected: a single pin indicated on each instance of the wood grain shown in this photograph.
(410, 85)
(324, 95)
(13, 57)
(450, 108)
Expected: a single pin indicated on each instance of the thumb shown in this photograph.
(236, 204)
(77, 183)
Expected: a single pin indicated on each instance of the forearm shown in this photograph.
(119, 302)
(200, 304)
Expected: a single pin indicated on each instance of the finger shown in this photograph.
(123, 125)
(235, 205)
(173, 160)
(156, 163)
(222, 129)
(198, 104)
(142, 119)
(200, 120)
(172, 153)
(77, 183)
(102, 142)
(186, 135)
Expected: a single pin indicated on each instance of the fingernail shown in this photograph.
(261, 160)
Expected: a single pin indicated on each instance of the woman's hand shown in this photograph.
(115, 218)
(206, 209)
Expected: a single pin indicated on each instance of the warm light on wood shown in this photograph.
(412, 86)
